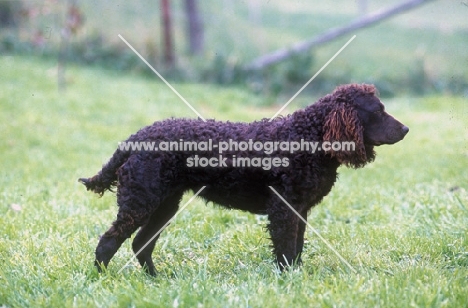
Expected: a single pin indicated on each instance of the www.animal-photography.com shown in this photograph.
(234, 153)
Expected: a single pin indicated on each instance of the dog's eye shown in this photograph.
(380, 111)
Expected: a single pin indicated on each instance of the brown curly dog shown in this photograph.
(150, 184)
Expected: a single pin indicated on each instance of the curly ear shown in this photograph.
(343, 124)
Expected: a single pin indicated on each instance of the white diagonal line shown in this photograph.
(313, 229)
(313, 77)
(162, 78)
(162, 228)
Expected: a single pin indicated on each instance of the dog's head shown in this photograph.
(359, 116)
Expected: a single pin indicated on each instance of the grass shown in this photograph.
(401, 221)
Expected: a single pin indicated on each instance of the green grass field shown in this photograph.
(401, 221)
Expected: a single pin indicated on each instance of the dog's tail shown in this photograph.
(107, 177)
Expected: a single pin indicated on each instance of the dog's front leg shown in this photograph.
(283, 228)
(300, 236)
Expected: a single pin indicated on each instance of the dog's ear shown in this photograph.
(343, 125)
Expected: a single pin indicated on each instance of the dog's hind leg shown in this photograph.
(121, 229)
(143, 244)
(136, 201)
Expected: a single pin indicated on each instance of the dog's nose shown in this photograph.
(405, 129)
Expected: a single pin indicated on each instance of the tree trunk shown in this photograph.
(169, 58)
(365, 21)
(73, 21)
(194, 27)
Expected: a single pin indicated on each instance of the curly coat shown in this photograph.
(150, 184)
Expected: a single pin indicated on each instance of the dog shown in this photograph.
(150, 183)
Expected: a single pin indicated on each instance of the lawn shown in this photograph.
(401, 222)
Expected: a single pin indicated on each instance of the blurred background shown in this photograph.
(422, 50)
